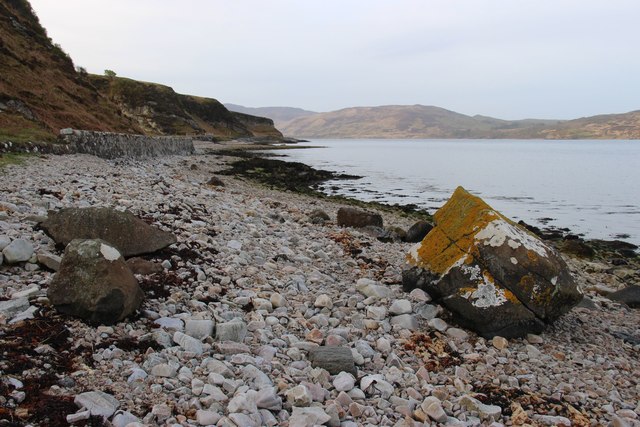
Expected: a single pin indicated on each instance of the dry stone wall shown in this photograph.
(114, 145)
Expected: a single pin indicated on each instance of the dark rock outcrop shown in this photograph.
(129, 234)
(496, 277)
(418, 231)
(629, 296)
(95, 283)
(351, 217)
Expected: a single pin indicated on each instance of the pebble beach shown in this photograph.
(252, 287)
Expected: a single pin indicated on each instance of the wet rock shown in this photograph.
(333, 359)
(496, 277)
(95, 283)
(351, 217)
(97, 403)
(20, 250)
(418, 231)
(629, 296)
(129, 234)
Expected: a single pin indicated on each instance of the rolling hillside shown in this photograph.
(419, 121)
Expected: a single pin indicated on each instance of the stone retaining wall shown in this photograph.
(113, 145)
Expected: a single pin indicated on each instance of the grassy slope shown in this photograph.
(39, 87)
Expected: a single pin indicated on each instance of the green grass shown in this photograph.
(26, 135)
(12, 159)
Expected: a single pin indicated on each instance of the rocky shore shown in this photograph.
(238, 315)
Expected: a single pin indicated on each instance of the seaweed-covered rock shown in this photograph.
(95, 283)
(129, 234)
(495, 276)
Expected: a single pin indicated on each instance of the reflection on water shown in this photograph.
(590, 187)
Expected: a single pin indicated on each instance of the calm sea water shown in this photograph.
(589, 187)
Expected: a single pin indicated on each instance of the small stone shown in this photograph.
(534, 339)
(458, 334)
(49, 260)
(485, 411)
(19, 250)
(401, 306)
(97, 403)
(308, 417)
(333, 359)
(438, 324)
(344, 382)
(78, 416)
(199, 329)
(161, 411)
(13, 306)
(549, 420)
(323, 301)
(164, 370)
(205, 418)
(124, 418)
(420, 295)
(169, 323)
(235, 331)
(369, 288)
(376, 313)
(188, 343)
(406, 321)
(166, 264)
(299, 396)
(383, 345)
(267, 398)
(499, 342)
(234, 244)
(433, 408)
(277, 300)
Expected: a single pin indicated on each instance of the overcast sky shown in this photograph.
(510, 59)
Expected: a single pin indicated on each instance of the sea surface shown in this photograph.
(590, 187)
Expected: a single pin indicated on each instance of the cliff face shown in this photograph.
(41, 92)
(159, 110)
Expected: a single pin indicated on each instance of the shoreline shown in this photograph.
(248, 251)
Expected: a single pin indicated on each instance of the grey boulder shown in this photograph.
(129, 234)
(95, 283)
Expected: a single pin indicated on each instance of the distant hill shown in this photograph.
(419, 121)
(280, 115)
(41, 92)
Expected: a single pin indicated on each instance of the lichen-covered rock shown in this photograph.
(351, 217)
(95, 283)
(129, 234)
(496, 277)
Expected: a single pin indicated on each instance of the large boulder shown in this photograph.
(351, 217)
(129, 234)
(95, 283)
(495, 276)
